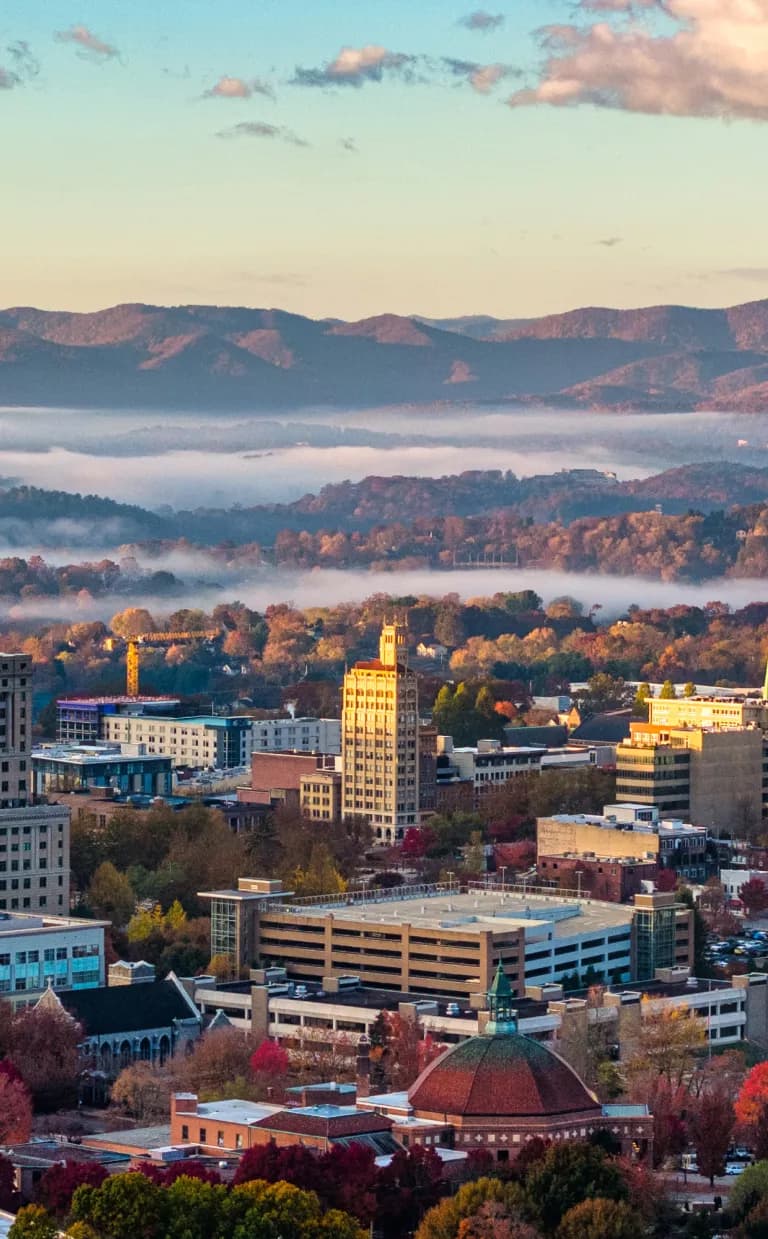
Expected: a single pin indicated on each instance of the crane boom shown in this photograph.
(132, 658)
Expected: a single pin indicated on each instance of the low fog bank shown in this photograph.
(326, 587)
(197, 461)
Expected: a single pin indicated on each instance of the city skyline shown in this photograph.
(349, 159)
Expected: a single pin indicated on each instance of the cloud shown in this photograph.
(348, 144)
(482, 78)
(24, 65)
(239, 88)
(758, 274)
(483, 21)
(355, 65)
(87, 43)
(713, 63)
(260, 129)
(373, 63)
(609, 242)
(616, 6)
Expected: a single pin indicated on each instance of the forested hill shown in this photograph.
(219, 358)
(54, 518)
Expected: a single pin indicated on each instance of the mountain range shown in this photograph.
(57, 519)
(218, 359)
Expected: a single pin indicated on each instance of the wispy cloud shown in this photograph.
(24, 65)
(260, 129)
(373, 63)
(482, 78)
(756, 274)
(714, 63)
(609, 242)
(355, 65)
(239, 88)
(87, 43)
(483, 21)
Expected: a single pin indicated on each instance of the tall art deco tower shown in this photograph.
(380, 739)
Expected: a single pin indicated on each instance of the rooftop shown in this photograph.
(25, 923)
(236, 1111)
(157, 1137)
(91, 754)
(474, 911)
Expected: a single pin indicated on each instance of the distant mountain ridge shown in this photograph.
(224, 358)
(57, 519)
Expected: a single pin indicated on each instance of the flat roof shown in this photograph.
(81, 755)
(157, 1137)
(475, 912)
(236, 1111)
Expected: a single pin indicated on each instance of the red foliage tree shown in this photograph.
(407, 1187)
(292, 1164)
(190, 1168)
(666, 880)
(753, 1096)
(15, 1111)
(710, 1128)
(349, 1177)
(269, 1060)
(60, 1182)
(754, 895)
(416, 840)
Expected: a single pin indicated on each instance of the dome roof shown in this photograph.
(504, 1076)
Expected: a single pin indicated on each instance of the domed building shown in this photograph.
(500, 1089)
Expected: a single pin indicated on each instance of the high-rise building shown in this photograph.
(34, 840)
(15, 729)
(710, 776)
(380, 739)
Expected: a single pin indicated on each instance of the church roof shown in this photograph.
(507, 1076)
(127, 1008)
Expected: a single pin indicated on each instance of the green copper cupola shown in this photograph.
(502, 1016)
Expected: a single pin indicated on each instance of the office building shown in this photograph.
(81, 720)
(380, 739)
(200, 741)
(447, 941)
(712, 777)
(34, 842)
(34, 859)
(729, 1011)
(64, 951)
(708, 712)
(297, 735)
(622, 833)
(489, 764)
(124, 768)
(15, 729)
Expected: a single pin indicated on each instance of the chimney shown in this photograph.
(183, 1104)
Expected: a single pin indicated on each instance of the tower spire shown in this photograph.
(502, 1016)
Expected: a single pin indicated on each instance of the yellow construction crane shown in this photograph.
(133, 644)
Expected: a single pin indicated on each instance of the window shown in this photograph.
(203, 1135)
(184, 1131)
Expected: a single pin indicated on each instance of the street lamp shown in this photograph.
(503, 872)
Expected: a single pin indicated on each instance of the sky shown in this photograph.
(352, 157)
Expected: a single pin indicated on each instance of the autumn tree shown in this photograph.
(43, 1046)
(15, 1111)
(61, 1180)
(110, 894)
(754, 895)
(445, 1219)
(219, 1065)
(567, 1175)
(34, 1222)
(711, 1127)
(597, 1218)
(143, 1091)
